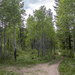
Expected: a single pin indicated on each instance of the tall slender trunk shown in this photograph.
(65, 45)
(1, 36)
(31, 40)
(41, 46)
(8, 40)
(34, 44)
(44, 52)
(54, 47)
(48, 45)
(51, 44)
(19, 37)
(14, 42)
(14, 35)
(69, 41)
(73, 41)
(38, 46)
(74, 45)
(8, 45)
(4, 38)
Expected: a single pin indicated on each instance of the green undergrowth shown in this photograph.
(8, 73)
(45, 59)
(24, 59)
(67, 66)
(55, 61)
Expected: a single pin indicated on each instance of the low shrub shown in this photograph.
(34, 54)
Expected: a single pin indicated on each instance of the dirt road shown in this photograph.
(39, 69)
(43, 69)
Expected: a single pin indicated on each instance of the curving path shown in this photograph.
(43, 69)
(40, 69)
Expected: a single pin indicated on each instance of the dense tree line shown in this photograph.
(41, 32)
(11, 20)
(65, 22)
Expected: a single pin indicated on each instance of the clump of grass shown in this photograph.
(8, 73)
(67, 66)
(55, 61)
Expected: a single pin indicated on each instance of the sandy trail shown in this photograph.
(39, 69)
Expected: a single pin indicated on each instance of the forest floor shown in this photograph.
(39, 69)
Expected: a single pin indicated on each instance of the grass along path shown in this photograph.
(56, 60)
(39, 69)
